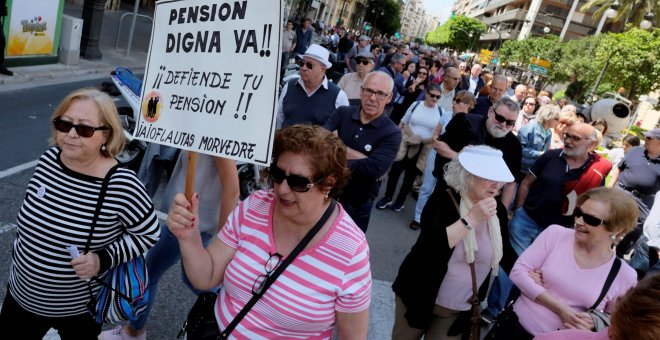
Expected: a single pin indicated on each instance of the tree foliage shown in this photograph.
(634, 62)
(390, 21)
(455, 33)
(631, 11)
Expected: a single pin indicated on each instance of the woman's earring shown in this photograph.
(326, 195)
(103, 147)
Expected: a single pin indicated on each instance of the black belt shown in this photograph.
(635, 192)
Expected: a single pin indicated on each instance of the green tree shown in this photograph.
(546, 48)
(459, 33)
(634, 60)
(387, 23)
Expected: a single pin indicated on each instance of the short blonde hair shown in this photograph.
(623, 209)
(107, 113)
(547, 112)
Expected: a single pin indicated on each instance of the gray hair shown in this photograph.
(547, 112)
(388, 79)
(398, 57)
(506, 101)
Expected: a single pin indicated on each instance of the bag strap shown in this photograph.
(269, 280)
(608, 282)
(99, 204)
(474, 299)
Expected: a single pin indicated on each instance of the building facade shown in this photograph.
(415, 20)
(519, 19)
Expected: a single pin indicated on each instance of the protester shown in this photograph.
(308, 170)
(372, 140)
(463, 102)
(47, 288)
(497, 88)
(636, 315)
(561, 274)
(415, 87)
(216, 181)
(288, 45)
(535, 137)
(304, 34)
(312, 98)
(352, 82)
(361, 47)
(567, 117)
(639, 174)
(417, 127)
(468, 225)
(527, 113)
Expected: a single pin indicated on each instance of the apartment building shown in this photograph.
(415, 21)
(518, 19)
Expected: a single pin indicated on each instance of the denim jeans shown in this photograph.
(159, 260)
(427, 186)
(522, 230)
(499, 293)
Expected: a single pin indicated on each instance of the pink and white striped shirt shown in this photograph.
(331, 276)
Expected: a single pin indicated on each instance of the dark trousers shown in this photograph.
(360, 212)
(17, 323)
(3, 43)
(409, 165)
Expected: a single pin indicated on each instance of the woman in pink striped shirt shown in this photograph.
(327, 284)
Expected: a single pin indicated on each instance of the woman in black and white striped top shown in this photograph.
(47, 289)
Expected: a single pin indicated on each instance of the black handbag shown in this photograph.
(200, 323)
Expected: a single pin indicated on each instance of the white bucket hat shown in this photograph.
(485, 162)
(317, 52)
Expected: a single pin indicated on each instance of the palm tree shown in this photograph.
(629, 11)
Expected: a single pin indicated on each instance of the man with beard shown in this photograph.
(543, 197)
(497, 91)
(493, 130)
(372, 141)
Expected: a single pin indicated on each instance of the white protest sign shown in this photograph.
(211, 80)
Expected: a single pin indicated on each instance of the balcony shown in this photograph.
(514, 15)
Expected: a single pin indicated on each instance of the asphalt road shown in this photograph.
(24, 122)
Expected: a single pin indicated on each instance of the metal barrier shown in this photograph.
(130, 34)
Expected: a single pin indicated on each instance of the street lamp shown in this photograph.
(609, 13)
(647, 22)
(470, 36)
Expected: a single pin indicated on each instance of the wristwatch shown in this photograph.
(465, 223)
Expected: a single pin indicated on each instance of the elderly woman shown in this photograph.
(417, 126)
(464, 225)
(463, 102)
(536, 136)
(315, 291)
(562, 273)
(47, 288)
(527, 113)
(567, 117)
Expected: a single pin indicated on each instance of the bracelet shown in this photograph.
(465, 223)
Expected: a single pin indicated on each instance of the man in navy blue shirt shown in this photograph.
(394, 70)
(497, 91)
(372, 140)
(303, 37)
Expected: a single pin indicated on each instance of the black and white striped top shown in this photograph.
(57, 212)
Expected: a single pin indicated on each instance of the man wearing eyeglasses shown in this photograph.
(497, 91)
(311, 98)
(372, 141)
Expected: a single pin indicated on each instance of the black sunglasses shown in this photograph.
(271, 264)
(588, 219)
(296, 183)
(433, 96)
(308, 64)
(81, 130)
(364, 62)
(501, 119)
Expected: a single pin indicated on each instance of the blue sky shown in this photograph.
(439, 7)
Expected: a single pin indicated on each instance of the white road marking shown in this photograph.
(7, 227)
(18, 168)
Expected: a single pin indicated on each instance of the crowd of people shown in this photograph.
(515, 207)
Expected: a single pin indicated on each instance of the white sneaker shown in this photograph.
(119, 334)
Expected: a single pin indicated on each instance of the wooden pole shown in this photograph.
(190, 175)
